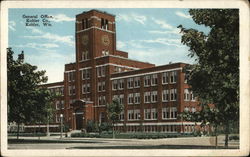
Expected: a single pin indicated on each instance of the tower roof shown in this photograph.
(96, 10)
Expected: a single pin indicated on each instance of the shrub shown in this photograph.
(105, 127)
(85, 135)
(234, 137)
(92, 126)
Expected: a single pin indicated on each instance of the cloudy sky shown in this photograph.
(149, 35)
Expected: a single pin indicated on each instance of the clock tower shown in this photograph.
(95, 35)
(95, 41)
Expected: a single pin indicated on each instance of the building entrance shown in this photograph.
(79, 120)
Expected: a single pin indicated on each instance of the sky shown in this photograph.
(148, 34)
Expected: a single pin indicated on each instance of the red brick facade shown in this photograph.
(152, 95)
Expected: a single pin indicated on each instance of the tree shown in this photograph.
(215, 76)
(113, 111)
(23, 89)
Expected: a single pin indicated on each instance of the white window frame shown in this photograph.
(121, 84)
(173, 110)
(165, 78)
(165, 95)
(154, 96)
(166, 113)
(186, 95)
(173, 94)
(137, 98)
(130, 98)
(154, 114)
(146, 81)
(130, 82)
(147, 97)
(137, 82)
(114, 84)
(173, 77)
(154, 80)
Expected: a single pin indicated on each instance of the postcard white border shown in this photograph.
(244, 75)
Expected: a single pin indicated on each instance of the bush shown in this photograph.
(27, 134)
(234, 137)
(85, 135)
(92, 126)
(105, 127)
(108, 134)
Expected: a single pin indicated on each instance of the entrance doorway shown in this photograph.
(79, 119)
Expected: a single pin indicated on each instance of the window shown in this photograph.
(101, 100)
(137, 82)
(61, 91)
(114, 84)
(192, 96)
(134, 114)
(165, 113)
(85, 23)
(121, 116)
(130, 82)
(173, 112)
(153, 113)
(154, 79)
(137, 114)
(71, 90)
(101, 71)
(165, 77)
(147, 114)
(130, 98)
(105, 52)
(130, 114)
(147, 97)
(121, 99)
(88, 88)
(121, 84)
(154, 96)
(186, 95)
(84, 56)
(71, 76)
(106, 24)
(85, 88)
(173, 76)
(165, 95)
(102, 23)
(137, 98)
(101, 86)
(85, 74)
(173, 94)
(147, 81)
(62, 104)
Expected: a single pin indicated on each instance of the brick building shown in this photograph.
(152, 95)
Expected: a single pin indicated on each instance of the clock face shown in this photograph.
(85, 39)
(105, 40)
